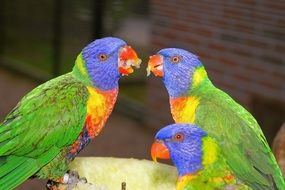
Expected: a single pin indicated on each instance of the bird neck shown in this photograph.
(183, 108)
(80, 71)
(184, 82)
(210, 156)
(199, 76)
(210, 151)
(202, 153)
(199, 82)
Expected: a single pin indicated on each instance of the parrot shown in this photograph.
(56, 120)
(194, 99)
(197, 158)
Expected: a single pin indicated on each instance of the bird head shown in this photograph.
(176, 67)
(182, 143)
(103, 61)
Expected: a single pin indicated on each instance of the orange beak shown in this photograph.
(159, 150)
(128, 58)
(155, 65)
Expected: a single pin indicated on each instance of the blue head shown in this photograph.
(103, 61)
(176, 67)
(182, 143)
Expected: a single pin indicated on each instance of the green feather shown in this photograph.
(215, 173)
(239, 136)
(43, 124)
(18, 173)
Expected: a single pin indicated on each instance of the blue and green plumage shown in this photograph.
(194, 99)
(197, 158)
(52, 123)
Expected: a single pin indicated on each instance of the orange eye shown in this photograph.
(175, 59)
(178, 137)
(103, 57)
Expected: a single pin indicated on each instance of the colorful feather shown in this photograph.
(197, 158)
(57, 119)
(194, 99)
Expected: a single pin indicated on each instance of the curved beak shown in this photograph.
(128, 58)
(155, 65)
(159, 150)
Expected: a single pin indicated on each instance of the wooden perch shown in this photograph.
(279, 148)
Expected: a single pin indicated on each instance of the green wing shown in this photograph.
(240, 137)
(45, 121)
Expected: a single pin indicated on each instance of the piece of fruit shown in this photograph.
(108, 173)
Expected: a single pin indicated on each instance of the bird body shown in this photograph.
(57, 119)
(194, 99)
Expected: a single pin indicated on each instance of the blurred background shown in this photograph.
(241, 43)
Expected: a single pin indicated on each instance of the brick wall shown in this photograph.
(241, 43)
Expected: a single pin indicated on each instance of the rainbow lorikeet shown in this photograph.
(197, 158)
(194, 99)
(57, 119)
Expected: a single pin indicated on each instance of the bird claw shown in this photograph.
(72, 177)
(53, 185)
(49, 184)
(83, 180)
(67, 182)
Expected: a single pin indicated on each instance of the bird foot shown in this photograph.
(67, 182)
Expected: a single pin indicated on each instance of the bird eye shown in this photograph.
(175, 59)
(103, 57)
(178, 137)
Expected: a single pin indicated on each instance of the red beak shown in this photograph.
(155, 65)
(128, 58)
(159, 150)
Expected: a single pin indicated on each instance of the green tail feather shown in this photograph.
(279, 180)
(15, 170)
(8, 164)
